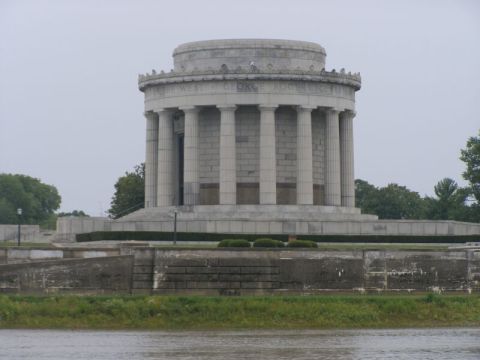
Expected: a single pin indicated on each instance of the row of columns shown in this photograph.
(339, 165)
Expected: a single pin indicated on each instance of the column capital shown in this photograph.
(305, 108)
(267, 107)
(227, 107)
(163, 111)
(190, 109)
(349, 113)
(333, 110)
(149, 113)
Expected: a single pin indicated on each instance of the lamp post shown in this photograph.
(19, 213)
(175, 227)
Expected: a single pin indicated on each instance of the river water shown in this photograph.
(231, 345)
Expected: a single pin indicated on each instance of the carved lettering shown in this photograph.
(246, 86)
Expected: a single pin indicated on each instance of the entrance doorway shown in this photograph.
(180, 143)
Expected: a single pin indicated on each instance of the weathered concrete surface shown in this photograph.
(297, 271)
(83, 276)
(265, 220)
(27, 232)
(68, 226)
(15, 255)
(235, 272)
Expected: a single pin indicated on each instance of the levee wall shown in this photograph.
(307, 272)
(237, 271)
(82, 276)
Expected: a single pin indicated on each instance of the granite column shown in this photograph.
(191, 185)
(332, 159)
(228, 169)
(346, 159)
(268, 165)
(304, 156)
(165, 192)
(151, 159)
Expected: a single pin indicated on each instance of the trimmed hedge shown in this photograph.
(268, 243)
(302, 244)
(185, 236)
(238, 243)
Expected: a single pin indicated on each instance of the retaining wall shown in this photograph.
(83, 276)
(238, 271)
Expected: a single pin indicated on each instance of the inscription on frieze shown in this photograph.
(249, 87)
(246, 86)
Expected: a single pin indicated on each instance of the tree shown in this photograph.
(129, 192)
(449, 203)
(390, 202)
(471, 157)
(365, 196)
(398, 202)
(38, 201)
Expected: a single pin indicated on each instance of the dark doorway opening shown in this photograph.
(180, 168)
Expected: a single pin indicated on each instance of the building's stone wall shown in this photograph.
(318, 148)
(209, 140)
(318, 135)
(247, 129)
(209, 158)
(266, 54)
(286, 154)
(247, 125)
(243, 92)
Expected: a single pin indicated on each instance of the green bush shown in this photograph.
(302, 244)
(240, 243)
(268, 243)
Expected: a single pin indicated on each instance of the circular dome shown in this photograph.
(264, 54)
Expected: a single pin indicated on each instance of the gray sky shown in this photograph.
(71, 112)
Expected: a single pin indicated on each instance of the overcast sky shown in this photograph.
(71, 112)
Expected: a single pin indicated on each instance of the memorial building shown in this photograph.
(251, 127)
(253, 136)
(257, 122)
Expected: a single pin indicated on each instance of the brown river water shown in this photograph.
(457, 343)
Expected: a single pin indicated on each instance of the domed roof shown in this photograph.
(262, 53)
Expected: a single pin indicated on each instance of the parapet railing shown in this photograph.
(249, 73)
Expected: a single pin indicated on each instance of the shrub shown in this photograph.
(240, 243)
(268, 243)
(302, 244)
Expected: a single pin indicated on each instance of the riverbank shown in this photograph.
(274, 312)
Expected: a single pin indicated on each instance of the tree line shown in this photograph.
(451, 202)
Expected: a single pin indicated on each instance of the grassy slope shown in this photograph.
(274, 312)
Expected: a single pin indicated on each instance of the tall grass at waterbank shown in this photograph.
(273, 312)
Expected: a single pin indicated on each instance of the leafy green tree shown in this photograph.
(398, 202)
(38, 201)
(449, 203)
(390, 202)
(471, 156)
(129, 193)
(365, 196)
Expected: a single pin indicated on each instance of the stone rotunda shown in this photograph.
(252, 136)
(249, 129)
